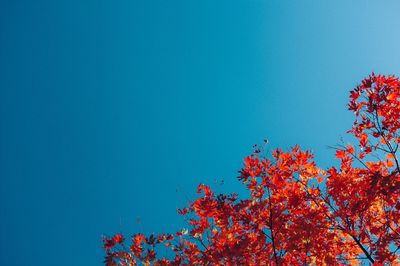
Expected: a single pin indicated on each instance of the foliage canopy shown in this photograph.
(297, 213)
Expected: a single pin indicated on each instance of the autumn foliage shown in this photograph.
(297, 213)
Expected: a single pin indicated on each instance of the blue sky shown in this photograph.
(112, 112)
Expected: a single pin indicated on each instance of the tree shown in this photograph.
(297, 213)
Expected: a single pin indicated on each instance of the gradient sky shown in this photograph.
(112, 112)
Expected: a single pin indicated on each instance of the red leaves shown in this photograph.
(252, 168)
(378, 113)
(363, 139)
(111, 242)
(296, 213)
(340, 154)
(108, 243)
(183, 211)
(204, 207)
(204, 189)
(392, 96)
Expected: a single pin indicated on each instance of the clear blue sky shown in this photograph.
(112, 111)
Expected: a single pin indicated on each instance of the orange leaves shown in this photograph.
(199, 226)
(138, 239)
(390, 160)
(294, 212)
(118, 239)
(111, 242)
(392, 96)
(205, 189)
(363, 139)
(379, 115)
(277, 180)
(252, 168)
(340, 154)
(204, 207)
(285, 215)
(136, 247)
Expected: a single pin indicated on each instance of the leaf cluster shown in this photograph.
(297, 213)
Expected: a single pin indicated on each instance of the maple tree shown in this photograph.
(297, 213)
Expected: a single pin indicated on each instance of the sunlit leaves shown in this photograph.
(296, 213)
